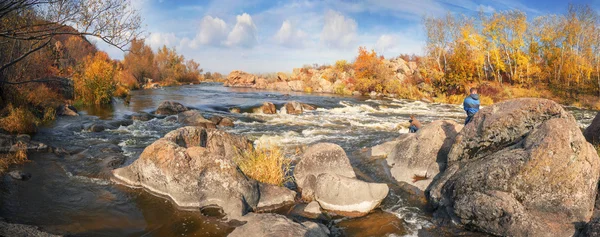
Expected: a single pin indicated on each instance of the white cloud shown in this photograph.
(212, 30)
(289, 36)
(244, 33)
(385, 42)
(338, 31)
(406, 42)
(157, 40)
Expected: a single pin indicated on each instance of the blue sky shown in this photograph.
(271, 35)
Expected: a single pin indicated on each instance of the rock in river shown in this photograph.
(347, 196)
(275, 225)
(194, 118)
(195, 168)
(267, 108)
(520, 168)
(322, 158)
(424, 153)
(170, 108)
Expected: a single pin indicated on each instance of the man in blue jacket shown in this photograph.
(471, 105)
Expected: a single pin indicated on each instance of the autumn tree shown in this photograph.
(139, 61)
(30, 25)
(94, 82)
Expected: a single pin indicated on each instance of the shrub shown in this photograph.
(265, 164)
(41, 96)
(95, 83)
(18, 156)
(19, 120)
(342, 65)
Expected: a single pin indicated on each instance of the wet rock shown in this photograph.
(195, 168)
(387, 225)
(220, 121)
(13, 143)
(592, 132)
(170, 108)
(194, 118)
(97, 128)
(98, 159)
(235, 110)
(119, 123)
(19, 230)
(19, 175)
(520, 168)
(67, 110)
(143, 116)
(322, 158)
(226, 122)
(338, 194)
(216, 119)
(356, 93)
(267, 108)
(423, 154)
(275, 225)
(273, 197)
(293, 107)
(172, 118)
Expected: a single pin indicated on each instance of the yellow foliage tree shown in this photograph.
(94, 82)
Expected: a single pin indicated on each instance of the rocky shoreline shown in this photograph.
(521, 168)
(320, 80)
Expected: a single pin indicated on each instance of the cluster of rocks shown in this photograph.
(195, 167)
(292, 107)
(324, 175)
(520, 168)
(323, 79)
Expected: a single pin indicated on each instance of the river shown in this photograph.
(68, 197)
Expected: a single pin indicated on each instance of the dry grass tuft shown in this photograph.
(19, 120)
(266, 164)
(17, 157)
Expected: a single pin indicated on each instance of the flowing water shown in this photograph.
(68, 196)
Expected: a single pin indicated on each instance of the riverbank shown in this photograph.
(81, 193)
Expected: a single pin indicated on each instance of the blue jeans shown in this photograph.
(469, 118)
(413, 129)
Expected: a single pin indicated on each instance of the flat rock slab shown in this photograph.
(348, 196)
(273, 197)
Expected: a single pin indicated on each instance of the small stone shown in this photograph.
(19, 175)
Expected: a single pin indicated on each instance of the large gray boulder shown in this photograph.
(194, 118)
(170, 108)
(520, 168)
(195, 168)
(348, 196)
(423, 154)
(275, 225)
(322, 158)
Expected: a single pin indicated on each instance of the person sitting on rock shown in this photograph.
(471, 105)
(414, 124)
